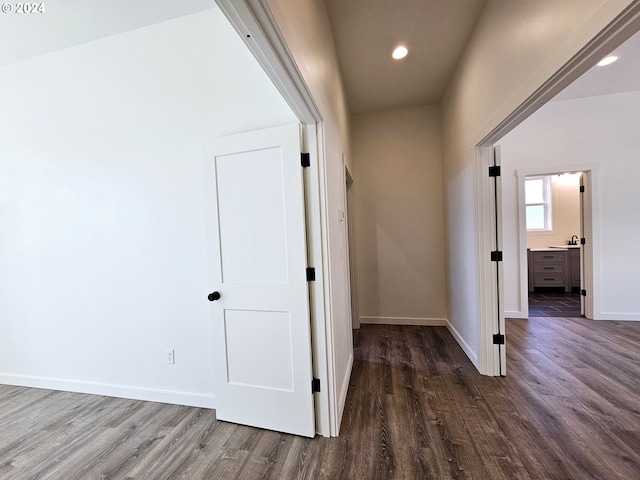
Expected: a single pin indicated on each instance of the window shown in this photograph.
(537, 197)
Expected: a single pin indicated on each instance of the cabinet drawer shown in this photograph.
(548, 257)
(548, 268)
(542, 279)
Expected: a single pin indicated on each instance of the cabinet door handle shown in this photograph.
(548, 268)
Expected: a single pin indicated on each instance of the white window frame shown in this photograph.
(546, 203)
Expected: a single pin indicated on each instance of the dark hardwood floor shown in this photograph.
(417, 409)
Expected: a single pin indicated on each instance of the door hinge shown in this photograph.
(496, 256)
(305, 160)
(583, 293)
(581, 188)
(498, 339)
(311, 274)
(583, 241)
(315, 385)
(494, 171)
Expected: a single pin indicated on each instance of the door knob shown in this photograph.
(213, 296)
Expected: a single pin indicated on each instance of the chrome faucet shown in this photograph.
(574, 242)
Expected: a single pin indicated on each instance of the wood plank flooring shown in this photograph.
(569, 408)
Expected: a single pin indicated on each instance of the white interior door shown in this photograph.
(258, 267)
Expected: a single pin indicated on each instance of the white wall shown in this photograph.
(399, 216)
(598, 131)
(515, 48)
(102, 250)
(72, 22)
(307, 32)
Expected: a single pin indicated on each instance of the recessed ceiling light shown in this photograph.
(608, 60)
(399, 53)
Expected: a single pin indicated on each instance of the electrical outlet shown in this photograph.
(169, 355)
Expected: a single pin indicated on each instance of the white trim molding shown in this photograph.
(487, 360)
(425, 322)
(344, 390)
(473, 356)
(255, 24)
(110, 390)
(619, 317)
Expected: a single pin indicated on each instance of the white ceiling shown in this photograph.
(436, 32)
(71, 22)
(366, 31)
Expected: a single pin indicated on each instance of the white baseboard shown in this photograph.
(473, 356)
(344, 390)
(426, 322)
(625, 317)
(108, 390)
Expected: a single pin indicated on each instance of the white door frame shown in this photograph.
(349, 202)
(590, 223)
(255, 24)
(620, 29)
(489, 295)
(498, 270)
